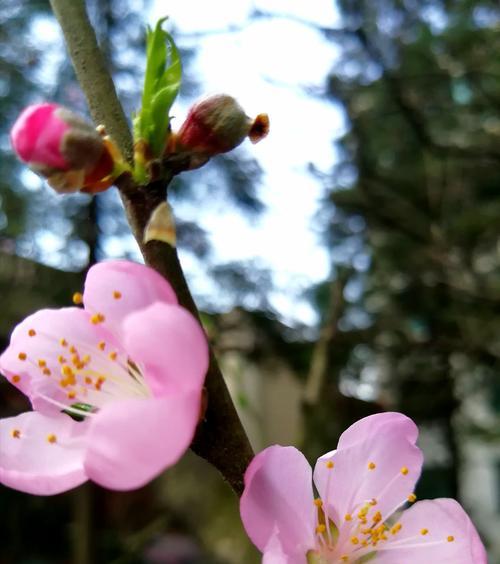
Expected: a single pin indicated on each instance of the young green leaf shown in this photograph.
(161, 85)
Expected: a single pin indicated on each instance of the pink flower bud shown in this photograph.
(63, 148)
(218, 124)
(37, 136)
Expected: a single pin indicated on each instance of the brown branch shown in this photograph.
(220, 438)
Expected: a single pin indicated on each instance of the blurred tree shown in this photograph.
(413, 208)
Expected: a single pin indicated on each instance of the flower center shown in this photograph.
(88, 376)
(364, 532)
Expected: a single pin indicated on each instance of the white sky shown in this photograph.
(267, 65)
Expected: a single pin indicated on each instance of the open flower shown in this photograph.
(115, 386)
(362, 486)
(65, 149)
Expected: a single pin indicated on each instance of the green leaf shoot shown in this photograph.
(162, 81)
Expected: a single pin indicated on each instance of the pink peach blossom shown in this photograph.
(362, 487)
(115, 386)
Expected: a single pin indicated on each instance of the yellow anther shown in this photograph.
(329, 464)
(373, 501)
(396, 528)
(318, 502)
(42, 363)
(112, 355)
(88, 380)
(46, 371)
(363, 511)
(320, 529)
(77, 298)
(101, 345)
(66, 370)
(377, 517)
(97, 318)
(51, 438)
(404, 471)
(371, 466)
(22, 356)
(117, 295)
(86, 359)
(31, 332)
(348, 517)
(61, 359)
(16, 379)
(423, 531)
(354, 540)
(412, 498)
(72, 349)
(451, 538)
(15, 434)
(344, 558)
(72, 394)
(63, 342)
(100, 382)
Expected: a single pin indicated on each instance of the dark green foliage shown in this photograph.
(420, 173)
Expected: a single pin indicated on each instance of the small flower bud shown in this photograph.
(218, 124)
(62, 147)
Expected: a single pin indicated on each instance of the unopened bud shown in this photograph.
(218, 124)
(161, 225)
(62, 147)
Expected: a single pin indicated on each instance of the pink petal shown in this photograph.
(277, 503)
(443, 518)
(170, 345)
(274, 554)
(37, 136)
(117, 288)
(382, 463)
(50, 326)
(373, 423)
(32, 464)
(132, 442)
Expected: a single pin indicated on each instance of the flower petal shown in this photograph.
(37, 136)
(372, 425)
(274, 554)
(42, 343)
(132, 442)
(277, 503)
(170, 345)
(381, 465)
(117, 288)
(42, 454)
(450, 536)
